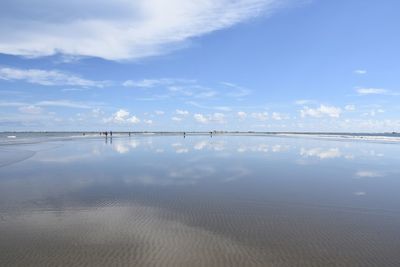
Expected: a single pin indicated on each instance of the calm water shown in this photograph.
(200, 201)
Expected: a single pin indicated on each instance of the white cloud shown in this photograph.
(200, 118)
(360, 193)
(31, 109)
(119, 29)
(242, 115)
(159, 112)
(303, 101)
(373, 112)
(176, 119)
(372, 91)
(148, 121)
(182, 112)
(321, 153)
(261, 116)
(350, 107)
(218, 117)
(215, 117)
(322, 111)
(47, 77)
(368, 174)
(150, 83)
(278, 116)
(64, 103)
(237, 91)
(360, 72)
(122, 116)
(12, 104)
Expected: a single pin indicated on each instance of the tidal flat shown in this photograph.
(149, 200)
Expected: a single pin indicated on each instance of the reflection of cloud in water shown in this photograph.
(360, 193)
(122, 147)
(253, 148)
(368, 174)
(212, 145)
(321, 153)
(179, 148)
(200, 145)
(262, 148)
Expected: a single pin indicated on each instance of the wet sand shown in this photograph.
(225, 201)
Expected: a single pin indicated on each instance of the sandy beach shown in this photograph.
(199, 201)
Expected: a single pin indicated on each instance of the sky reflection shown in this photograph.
(229, 190)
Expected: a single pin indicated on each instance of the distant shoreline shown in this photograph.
(208, 132)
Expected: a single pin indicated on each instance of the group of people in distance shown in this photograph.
(106, 133)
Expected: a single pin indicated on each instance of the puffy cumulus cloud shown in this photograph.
(118, 29)
(31, 109)
(123, 116)
(182, 112)
(261, 116)
(279, 116)
(200, 118)
(216, 117)
(47, 77)
(373, 112)
(176, 119)
(322, 111)
(350, 108)
(242, 115)
(148, 122)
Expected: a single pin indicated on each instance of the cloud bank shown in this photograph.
(118, 29)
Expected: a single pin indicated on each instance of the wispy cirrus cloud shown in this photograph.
(372, 91)
(65, 104)
(47, 77)
(151, 83)
(369, 174)
(53, 103)
(376, 91)
(117, 30)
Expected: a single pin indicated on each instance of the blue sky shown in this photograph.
(262, 65)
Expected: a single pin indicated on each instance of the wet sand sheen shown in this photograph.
(147, 236)
(252, 220)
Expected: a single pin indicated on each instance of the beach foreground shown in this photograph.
(199, 201)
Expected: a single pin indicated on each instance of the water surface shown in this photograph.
(149, 200)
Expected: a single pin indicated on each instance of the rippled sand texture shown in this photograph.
(83, 219)
(144, 236)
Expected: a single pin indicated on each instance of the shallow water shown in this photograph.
(200, 201)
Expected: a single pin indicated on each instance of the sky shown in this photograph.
(177, 65)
